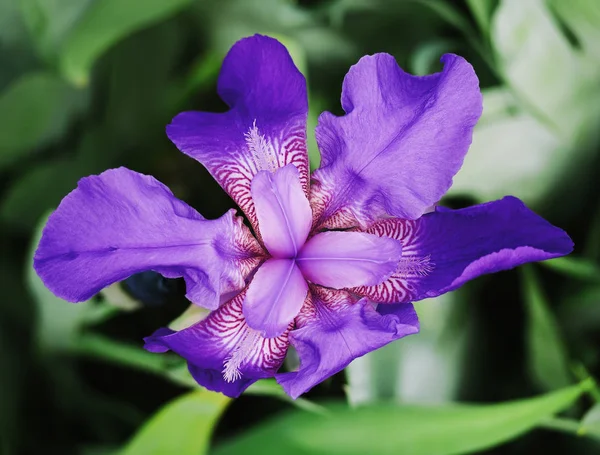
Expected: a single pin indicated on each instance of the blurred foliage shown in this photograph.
(87, 85)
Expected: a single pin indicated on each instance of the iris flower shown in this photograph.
(337, 257)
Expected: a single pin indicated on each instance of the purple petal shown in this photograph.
(275, 296)
(222, 352)
(265, 128)
(335, 330)
(283, 211)
(120, 223)
(343, 259)
(400, 143)
(445, 249)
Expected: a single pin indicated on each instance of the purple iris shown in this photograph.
(340, 255)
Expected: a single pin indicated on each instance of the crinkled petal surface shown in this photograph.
(334, 329)
(275, 296)
(120, 223)
(446, 248)
(222, 345)
(265, 128)
(344, 259)
(400, 143)
(283, 211)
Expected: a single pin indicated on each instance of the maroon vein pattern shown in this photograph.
(227, 324)
(235, 171)
(413, 265)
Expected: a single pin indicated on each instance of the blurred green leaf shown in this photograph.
(227, 21)
(556, 83)
(50, 22)
(426, 368)
(482, 11)
(547, 356)
(548, 135)
(34, 110)
(590, 423)
(104, 23)
(575, 267)
(316, 105)
(427, 56)
(270, 387)
(408, 429)
(583, 17)
(183, 427)
(512, 153)
(38, 190)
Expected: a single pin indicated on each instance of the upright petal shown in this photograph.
(265, 128)
(446, 248)
(344, 259)
(222, 352)
(400, 143)
(283, 211)
(274, 297)
(335, 329)
(120, 223)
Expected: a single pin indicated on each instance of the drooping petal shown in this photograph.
(274, 297)
(446, 248)
(283, 211)
(265, 128)
(343, 259)
(400, 143)
(222, 352)
(120, 223)
(335, 329)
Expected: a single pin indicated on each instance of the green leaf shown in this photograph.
(183, 427)
(547, 356)
(104, 23)
(555, 82)
(408, 429)
(590, 424)
(583, 17)
(424, 368)
(50, 21)
(482, 11)
(427, 56)
(34, 110)
(38, 190)
(512, 153)
(575, 267)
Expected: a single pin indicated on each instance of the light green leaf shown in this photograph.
(512, 153)
(34, 110)
(424, 368)
(547, 356)
(575, 267)
(540, 66)
(104, 23)
(590, 424)
(583, 17)
(549, 133)
(183, 427)
(409, 430)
